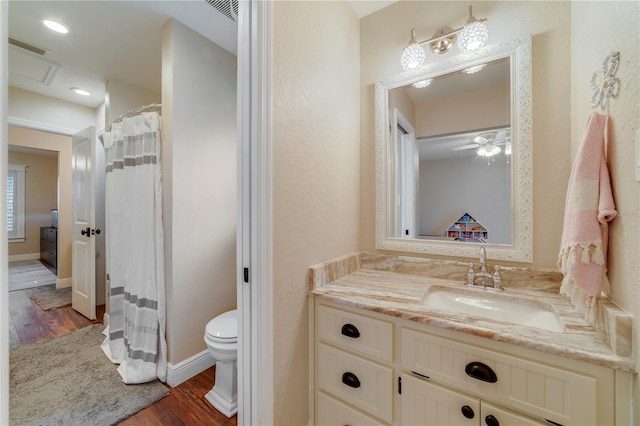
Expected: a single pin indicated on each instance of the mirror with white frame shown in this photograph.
(453, 156)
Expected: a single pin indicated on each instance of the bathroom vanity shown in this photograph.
(381, 356)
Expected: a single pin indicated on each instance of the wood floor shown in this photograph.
(185, 405)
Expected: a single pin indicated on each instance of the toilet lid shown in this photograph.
(224, 326)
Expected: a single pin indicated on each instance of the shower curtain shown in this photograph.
(135, 249)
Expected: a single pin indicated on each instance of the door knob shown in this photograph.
(95, 231)
(86, 232)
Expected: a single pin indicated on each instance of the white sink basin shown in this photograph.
(492, 306)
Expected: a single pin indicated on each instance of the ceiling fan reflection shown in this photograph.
(487, 144)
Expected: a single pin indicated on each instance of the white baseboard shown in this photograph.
(28, 256)
(189, 368)
(63, 282)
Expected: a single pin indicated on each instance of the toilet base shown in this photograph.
(227, 408)
(224, 394)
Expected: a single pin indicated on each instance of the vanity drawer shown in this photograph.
(330, 411)
(367, 336)
(550, 393)
(362, 383)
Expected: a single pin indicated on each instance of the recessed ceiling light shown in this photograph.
(55, 26)
(422, 83)
(475, 69)
(80, 91)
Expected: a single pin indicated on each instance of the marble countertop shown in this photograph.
(399, 295)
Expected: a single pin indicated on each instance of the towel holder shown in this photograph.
(604, 84)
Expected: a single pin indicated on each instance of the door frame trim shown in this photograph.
(254, 240)
(4, 246)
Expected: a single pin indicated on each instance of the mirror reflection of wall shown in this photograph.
(462, 124)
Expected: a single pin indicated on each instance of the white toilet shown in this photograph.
(221, 337)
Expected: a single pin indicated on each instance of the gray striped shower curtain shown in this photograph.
(135, 249)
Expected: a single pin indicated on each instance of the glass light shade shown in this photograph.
(473, 36)
(413, 57)
(488, 150)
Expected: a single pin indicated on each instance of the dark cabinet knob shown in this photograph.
(467, 412)
(350, 330)
(481, 371)
(351, 380)
(491, 421)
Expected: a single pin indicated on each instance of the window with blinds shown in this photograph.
(15, 203)
(11, 185)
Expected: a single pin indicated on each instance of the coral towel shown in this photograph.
(589, 208)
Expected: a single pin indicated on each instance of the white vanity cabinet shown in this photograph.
(372, 368)
(353, 357)
(425, 403)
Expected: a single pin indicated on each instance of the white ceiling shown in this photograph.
(110, 40)
(367, 7)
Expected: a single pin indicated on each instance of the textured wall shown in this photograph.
(597, 29)
(385, 33)
(315, 174)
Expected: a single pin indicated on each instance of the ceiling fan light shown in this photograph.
(507, 148)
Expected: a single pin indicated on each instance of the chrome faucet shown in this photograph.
(495, 278)
(483, 267)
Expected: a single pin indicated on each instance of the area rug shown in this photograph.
(69, 381)
(28, 274)
(48, 300)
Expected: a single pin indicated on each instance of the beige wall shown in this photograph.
(123, 98)
(34, 108)
(41, 196)
(315, 174)
(597, 29)
(481, 109)
(385, 33)
(199, 185)
(62, 145)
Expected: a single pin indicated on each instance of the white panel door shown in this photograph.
(83, 241)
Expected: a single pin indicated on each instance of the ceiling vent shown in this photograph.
(30, 67)
(26, 46)
(228, 8)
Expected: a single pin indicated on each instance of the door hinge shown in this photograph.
(246, 275)
(399, 385)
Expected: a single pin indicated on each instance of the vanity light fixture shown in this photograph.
(474, 69)
(79, 91)
(56, 26)
(422, 83)
(470, 37)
